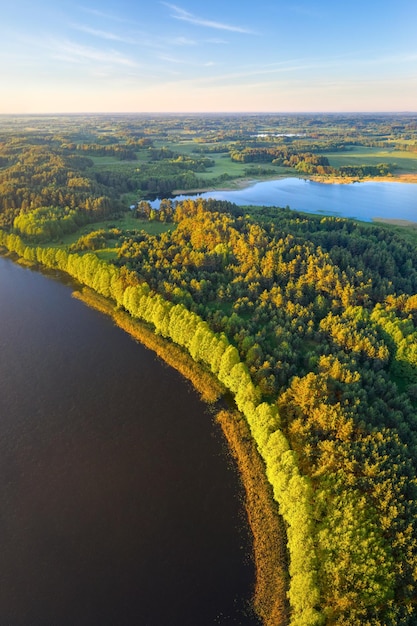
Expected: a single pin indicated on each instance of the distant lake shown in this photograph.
(364, 201)
(119, 505)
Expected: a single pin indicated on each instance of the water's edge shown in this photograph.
(269, 548)
(269, 545)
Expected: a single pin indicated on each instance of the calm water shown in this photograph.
(364, 201)
(118, 504)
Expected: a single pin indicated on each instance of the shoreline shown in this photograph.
(404, 179)
(240, 183)
(245, 183)
(269, 548)
(392, 221)
(298, 538)
(267, 526)
(148, 307)
(206, 384)
(268, 530)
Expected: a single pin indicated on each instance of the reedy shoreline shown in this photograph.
(207, 385)
(267, 526)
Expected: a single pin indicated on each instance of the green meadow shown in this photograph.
(405, 162)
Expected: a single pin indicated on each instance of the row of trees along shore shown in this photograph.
(311, 325)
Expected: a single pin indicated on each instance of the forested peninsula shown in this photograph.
(309, 326)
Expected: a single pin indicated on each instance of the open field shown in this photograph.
(223, 163)
(224, 166)
(406, 162)
(115, 164)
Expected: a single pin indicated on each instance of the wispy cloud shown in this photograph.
(396, 59)
(216, 41)
(101, 33)
(293, 70)
(76, 53)
(275, 71)
(269, 69)
(107, 16)
(185, 16)
(183, 41)
(169, 59)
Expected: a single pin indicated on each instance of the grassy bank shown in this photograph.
(268, 530)
(269, 536)
(291, 490)
(207, 385)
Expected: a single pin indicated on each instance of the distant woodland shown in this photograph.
(309, 322)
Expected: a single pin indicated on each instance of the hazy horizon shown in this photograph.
(199, 113)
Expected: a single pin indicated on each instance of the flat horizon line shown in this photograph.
(213, 113)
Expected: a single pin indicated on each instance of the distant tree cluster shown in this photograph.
(305, 162)
(122, 152)
(362, 171)
(41, 178)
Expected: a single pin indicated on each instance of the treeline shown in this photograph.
(279, 155)
(42, 173)
(96, 240)
(48, 223)
(306, 162)
(164, 213)
(161, 175)
(311, 324)
(41, 177)
(362, 171)
(311, 306)
(119, 151)
(157, 178)
(314, 324)
(291, 490)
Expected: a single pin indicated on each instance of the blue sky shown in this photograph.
(190, 55)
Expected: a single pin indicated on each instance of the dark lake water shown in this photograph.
(365, 201)
(118, 502)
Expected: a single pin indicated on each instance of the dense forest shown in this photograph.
(309, 323)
